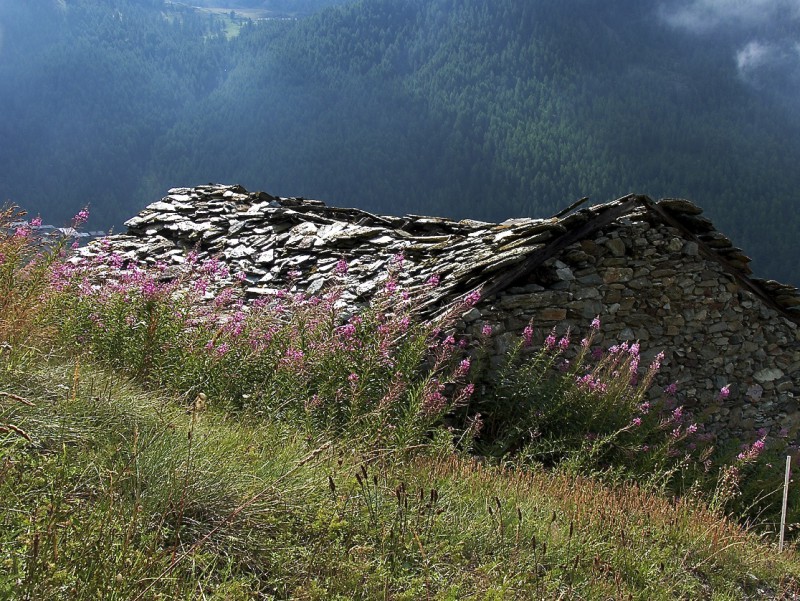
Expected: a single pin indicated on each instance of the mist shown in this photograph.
(763, 38)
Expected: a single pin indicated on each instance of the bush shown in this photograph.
(592, 412)
(380, 372)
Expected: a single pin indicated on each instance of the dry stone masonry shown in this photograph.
(656, 272)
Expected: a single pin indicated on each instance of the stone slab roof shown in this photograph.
(293, 241)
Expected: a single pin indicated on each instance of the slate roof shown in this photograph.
(278, 241)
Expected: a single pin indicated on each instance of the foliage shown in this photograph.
(123, 494)
(318, 458)
(380, 372)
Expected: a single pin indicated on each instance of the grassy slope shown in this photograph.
(123, 494)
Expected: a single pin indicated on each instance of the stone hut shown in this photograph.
(656, 272)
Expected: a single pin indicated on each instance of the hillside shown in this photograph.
(458, 108)
(157, 441)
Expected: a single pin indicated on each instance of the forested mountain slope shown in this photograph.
(464, 108)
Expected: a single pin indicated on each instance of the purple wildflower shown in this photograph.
(486, 330)
(341, 267)
(433, 281)
(473, 298)
(724, 392)
(527, 335)
(81, 218)
(596, 323)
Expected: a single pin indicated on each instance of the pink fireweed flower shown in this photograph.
(36, 222)
(391, 286)
(293, 355)
(22, 232)
(473, 298)
(433, 403)
(671, 389)
(527, 335)
(656, 364)
(752, 452)
(691, 429)
(724, 392)
(596, 323)
(644, 408)
(81, 218)
(347, 331)
(449, 341)
(398, 260)
(353, 378)
(463, 367)
(677, 413)
(341, 267)
(241, 276)
(550, 341)
(486, 330)
(634, 350)
(563, 344)
(585, 343)
(433, 281)
(223, 349)
(636, 422)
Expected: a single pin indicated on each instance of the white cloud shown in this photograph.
(756, 54)
(703, 15)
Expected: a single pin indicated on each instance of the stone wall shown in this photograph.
(649, 284)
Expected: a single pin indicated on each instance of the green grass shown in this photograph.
(154, 446)
(115, 493)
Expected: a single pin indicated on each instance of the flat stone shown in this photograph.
(769, 374)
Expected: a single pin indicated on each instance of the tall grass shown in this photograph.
(163, 438)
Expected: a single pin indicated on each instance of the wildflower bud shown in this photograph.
(724, 392)
(596, 323)
(486, 330)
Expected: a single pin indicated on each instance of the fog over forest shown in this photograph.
(485, 109)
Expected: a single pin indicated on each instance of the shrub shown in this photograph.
(25, 261)
(593, 412)
(379, 372)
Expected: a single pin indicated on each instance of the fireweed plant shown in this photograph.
(25, 262)
(380, 372)
(596, 411)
